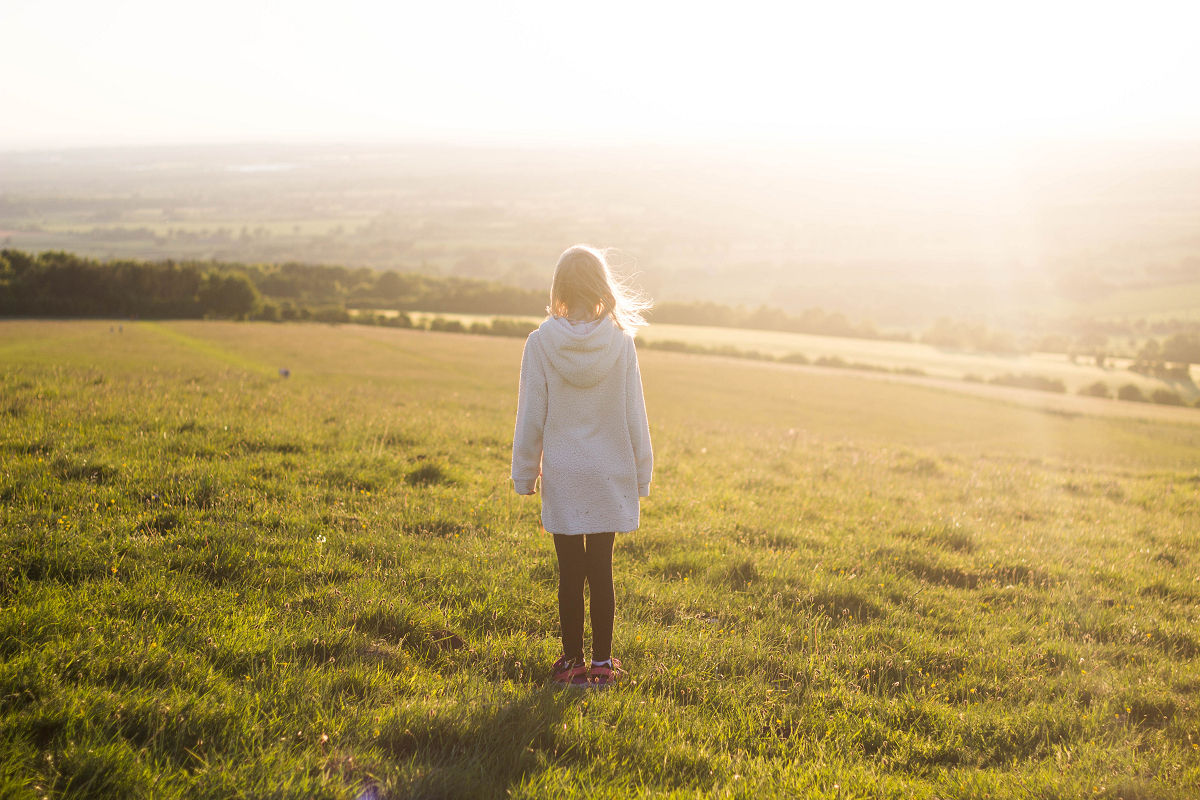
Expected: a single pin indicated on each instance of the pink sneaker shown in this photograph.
(566, 672)
(605, 676)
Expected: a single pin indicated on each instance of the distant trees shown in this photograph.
(319, 285)
(389, 285)
(1093, 343)
(1182, 348)
(1096, 340)
(764, 318)
(64, 285)
(1163, 397)
(1039, 382)
(1172, 359)
(1166, 397)
(232, 295)
(1131, 392)
(947, 332)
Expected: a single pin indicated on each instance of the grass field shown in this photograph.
(215, 582)
(154, 222)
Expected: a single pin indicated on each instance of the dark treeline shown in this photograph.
(65, 285)
(61, 284)
(959, 335)
(367, 289)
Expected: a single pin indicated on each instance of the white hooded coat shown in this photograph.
(581, 424)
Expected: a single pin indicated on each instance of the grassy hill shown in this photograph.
(218, 582)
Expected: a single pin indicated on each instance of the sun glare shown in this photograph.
(83, 73)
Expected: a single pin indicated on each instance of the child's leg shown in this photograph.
(603, 595)
(572, 570)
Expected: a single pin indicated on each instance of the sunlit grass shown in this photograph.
(215, 582)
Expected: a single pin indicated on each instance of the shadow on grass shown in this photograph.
(484, 750)
(422, 637)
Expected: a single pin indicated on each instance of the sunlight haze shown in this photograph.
(79, 74)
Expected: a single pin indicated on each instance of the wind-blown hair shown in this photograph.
(584, 284)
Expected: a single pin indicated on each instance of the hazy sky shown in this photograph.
(81, 73)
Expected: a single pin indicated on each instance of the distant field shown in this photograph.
(275, 240)
(217, 582)
(934, 361)
(161, 227)
(424, 317)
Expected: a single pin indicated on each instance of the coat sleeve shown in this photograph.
(639, 427)
(531, 420)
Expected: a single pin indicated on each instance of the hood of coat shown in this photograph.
(582, 358)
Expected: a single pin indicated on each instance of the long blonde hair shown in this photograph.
(584, 282)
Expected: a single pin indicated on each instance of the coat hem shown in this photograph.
(589, 533)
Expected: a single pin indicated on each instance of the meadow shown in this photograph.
(218, 582)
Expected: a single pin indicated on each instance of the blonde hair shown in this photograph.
(584, 283)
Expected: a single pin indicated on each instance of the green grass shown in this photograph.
(218, 583)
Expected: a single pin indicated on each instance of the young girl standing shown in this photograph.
(581, 426)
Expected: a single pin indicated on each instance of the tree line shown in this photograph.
(764, 318)
(59, 284)
(56, 284)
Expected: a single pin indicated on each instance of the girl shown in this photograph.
(581, 426)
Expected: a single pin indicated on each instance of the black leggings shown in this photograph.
(590, 561)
